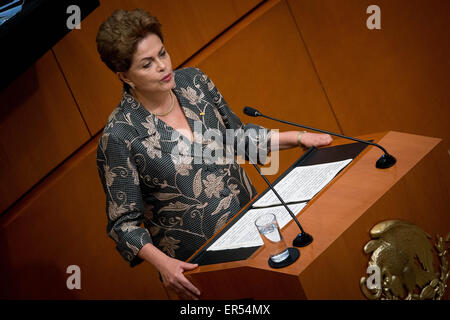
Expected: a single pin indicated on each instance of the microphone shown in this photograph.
(302, 239)
(384, 162)
(252, 112)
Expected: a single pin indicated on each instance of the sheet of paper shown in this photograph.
(302, 183)
(244, 233)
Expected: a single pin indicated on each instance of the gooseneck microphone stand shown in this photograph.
(384, 162)
(302, 239)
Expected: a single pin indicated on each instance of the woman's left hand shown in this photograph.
(309, 139)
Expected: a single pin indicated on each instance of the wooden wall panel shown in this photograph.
(63, 223)
(396, 78)
(40, 126)
(187, 26)
(262, 63)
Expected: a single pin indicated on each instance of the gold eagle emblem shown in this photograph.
(404, 257)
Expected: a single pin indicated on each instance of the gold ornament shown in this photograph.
(170, 109)
(403, 254)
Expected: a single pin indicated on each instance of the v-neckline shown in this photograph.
(189, 120)
(144, 113)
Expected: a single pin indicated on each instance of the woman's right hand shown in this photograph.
(173, 278)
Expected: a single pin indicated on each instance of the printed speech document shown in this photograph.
(301, 184)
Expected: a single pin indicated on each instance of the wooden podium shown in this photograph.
(415, 189)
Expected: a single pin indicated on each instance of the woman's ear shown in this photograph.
(123, 77)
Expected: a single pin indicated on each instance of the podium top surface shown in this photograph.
(344, 200)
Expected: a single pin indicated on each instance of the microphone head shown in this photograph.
(251, 112)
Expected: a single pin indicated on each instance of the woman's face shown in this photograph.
(151, 68)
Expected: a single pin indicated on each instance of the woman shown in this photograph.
(154, 161)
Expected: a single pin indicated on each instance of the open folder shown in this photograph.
(296, 186)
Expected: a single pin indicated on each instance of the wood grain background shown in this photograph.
(312, 62)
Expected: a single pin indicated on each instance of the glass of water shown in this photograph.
(269, 230)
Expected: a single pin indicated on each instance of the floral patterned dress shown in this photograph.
(175, 200)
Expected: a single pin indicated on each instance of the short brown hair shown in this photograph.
(119, 35)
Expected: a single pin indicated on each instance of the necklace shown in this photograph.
(170, 109)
